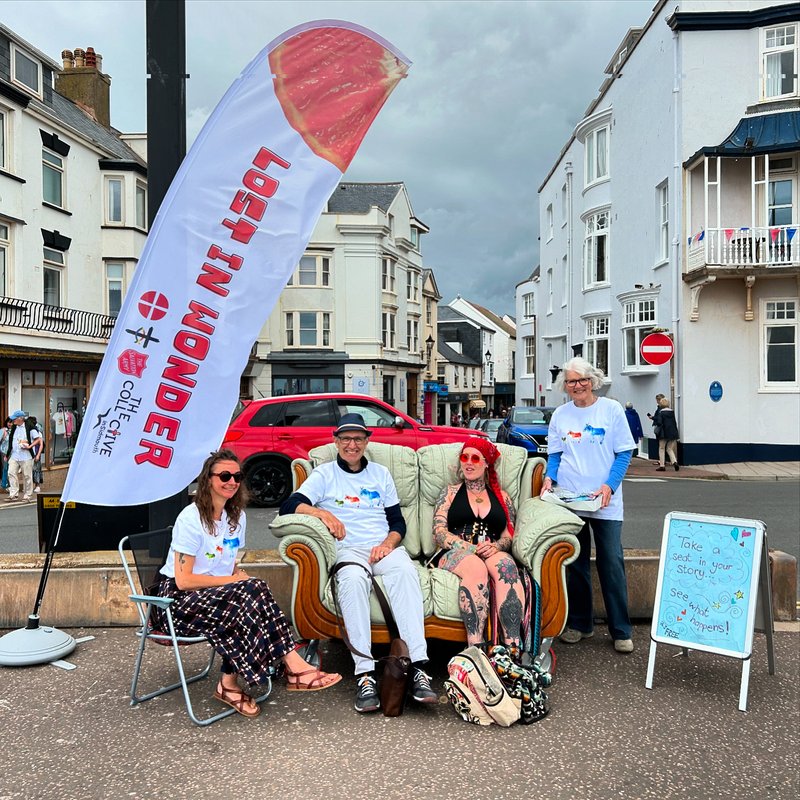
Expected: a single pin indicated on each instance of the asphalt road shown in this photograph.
(647, 501)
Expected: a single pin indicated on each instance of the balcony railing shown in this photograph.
(26, 314)
(773, 246)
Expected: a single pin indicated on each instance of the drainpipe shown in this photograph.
(677, 214)
(568, 170)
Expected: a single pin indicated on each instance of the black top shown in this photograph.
(664, 424)
(462, 521)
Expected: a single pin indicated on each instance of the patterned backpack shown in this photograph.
(477, 693)
(524, 684)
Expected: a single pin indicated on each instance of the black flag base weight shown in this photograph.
(34, 644)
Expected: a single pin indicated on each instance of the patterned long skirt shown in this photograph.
(241, 620)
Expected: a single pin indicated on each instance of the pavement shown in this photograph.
(738, 471)
(74, 735)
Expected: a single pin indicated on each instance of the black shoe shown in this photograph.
(676, 466)
(367, 698)
(421, 687)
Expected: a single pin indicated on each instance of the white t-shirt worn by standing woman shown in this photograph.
(588, 440)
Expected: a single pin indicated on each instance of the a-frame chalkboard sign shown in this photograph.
(713, 578)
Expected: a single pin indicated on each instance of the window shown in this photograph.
(52, 269)
(564, 204)
(779, 356)
(5, 246)
(415, 237)
(597, 342)
(596, 155)
(3, 140)
(429, 312)
(549, 361)
(550, 291)
(565, 278)
(115, 287)
(388, 327)
(313, 270)
(549, 222)
(388, 275)
(52, 178)
(141, 206)
(412, 286)
(639, 318)
(780, 202)
(530, 354)
(779, 62)
(595, 250)
(25, 70)
(114, 188)
(412, 335)
(390, 218)
(662, 199)
(308, 329)
(528, 309)
(375, 416)
(456, 375)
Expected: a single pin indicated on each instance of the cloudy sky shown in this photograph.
(494, 91)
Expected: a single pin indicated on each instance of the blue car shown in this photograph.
(526, 426)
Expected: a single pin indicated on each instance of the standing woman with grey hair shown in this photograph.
(589, 447)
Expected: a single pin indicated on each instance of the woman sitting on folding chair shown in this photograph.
(217, 599)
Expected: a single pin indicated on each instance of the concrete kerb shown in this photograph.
(90, 589)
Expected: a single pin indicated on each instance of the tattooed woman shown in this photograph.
(214, 597)
(472, 525)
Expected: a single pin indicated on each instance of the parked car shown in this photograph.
(526, 426)
(267, 434)
(490, 427)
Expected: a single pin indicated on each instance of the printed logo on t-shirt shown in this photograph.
(588, 434)
(367, 498)
(231, 544)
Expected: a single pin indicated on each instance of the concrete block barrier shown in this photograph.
(90, 590)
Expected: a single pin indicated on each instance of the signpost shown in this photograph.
(713, 579)
(657, 348)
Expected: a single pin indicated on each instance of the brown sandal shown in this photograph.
(236, 699)
(293, 683)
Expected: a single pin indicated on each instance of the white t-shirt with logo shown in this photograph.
(358, 499)
(213, 555)
(18, 453)
(588, 440)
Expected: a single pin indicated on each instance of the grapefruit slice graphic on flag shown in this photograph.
(331, 82)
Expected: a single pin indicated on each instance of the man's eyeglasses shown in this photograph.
(474, 458)
(578, 382)
(225, 476)
(352, 439)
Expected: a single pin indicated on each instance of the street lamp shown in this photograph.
(429, 343)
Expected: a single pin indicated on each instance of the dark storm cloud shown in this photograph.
(494, 92)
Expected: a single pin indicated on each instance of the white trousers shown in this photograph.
(27, 477)
(402, 590)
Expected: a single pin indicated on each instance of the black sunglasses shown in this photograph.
(226, 476)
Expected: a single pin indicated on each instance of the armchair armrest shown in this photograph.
(160, 602)
(304, 526)
(301, 469)
(539, 526)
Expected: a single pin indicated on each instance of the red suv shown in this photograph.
(267, 434)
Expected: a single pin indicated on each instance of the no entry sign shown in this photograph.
(657, 348)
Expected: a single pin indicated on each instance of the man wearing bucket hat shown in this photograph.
(21, 441)
(357, 500)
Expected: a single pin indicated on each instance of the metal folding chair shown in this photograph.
(150, 551)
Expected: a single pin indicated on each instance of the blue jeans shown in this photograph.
(611, 571)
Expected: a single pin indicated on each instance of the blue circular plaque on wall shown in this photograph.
(715, 391)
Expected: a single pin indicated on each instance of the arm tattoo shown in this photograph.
(181, 559)
(441, 535)
(512, 512)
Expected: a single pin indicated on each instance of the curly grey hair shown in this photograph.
(584, 370)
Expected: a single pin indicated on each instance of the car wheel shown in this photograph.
(269, 482)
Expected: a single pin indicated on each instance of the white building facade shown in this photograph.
(674, 207)
(352, 316)
(73, 221)
(526, 387)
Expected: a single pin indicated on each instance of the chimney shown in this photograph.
(82, 82)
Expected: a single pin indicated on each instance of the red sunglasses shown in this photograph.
(466, 459)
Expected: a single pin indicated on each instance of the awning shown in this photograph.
(766, 133)
(477, 404)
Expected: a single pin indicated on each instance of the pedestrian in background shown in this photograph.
(634, 423)
(37, 451)
(666, 429)
(21, 441)
(4, 434)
